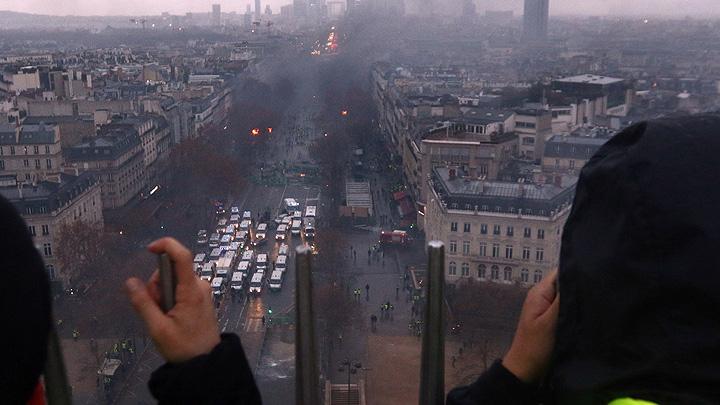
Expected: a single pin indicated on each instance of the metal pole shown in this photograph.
(306, 385)
(56, 383)
(432, 373)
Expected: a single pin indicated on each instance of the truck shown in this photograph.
(395, 237)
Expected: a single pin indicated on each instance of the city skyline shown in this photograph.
(557, 7)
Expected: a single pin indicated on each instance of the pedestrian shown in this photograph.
(453, 361)
(397, 291)
(75, 334)
(263, 320)
(367, 292)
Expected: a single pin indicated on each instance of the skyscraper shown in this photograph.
(216, 15)
(258, 10)
(535, 19)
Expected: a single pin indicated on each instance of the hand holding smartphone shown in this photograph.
(168, 282)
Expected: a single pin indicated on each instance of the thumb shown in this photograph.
(144, 305)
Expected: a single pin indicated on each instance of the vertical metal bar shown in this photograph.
(306, 369)
(56, 383)
(432, 374)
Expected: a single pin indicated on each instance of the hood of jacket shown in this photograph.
(639, 275)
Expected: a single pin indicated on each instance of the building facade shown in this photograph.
(47, 206)
(497, 231)
(30, 152)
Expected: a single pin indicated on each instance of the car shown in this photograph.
(279, 219)
(202, 237)
(244, 267)
(248, 256)
(287, 220)
(234, 210)
(245, 225)
(256, 283)
(217, 284)
(296, 215)
(275, 282)
(234, 219)
(214, 240)
(281, 232)
(238, 280)
(283, 250)
(247, 215)
(260, 239)
(199, 259)
(281, 263)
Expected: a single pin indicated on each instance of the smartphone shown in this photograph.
(168, 281)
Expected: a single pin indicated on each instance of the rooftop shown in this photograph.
(590, 79)
(47, 196)
(459, 192)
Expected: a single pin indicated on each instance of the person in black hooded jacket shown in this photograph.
(638, 281)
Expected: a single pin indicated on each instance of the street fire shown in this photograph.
(255, 131)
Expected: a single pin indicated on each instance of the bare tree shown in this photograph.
(79, 250)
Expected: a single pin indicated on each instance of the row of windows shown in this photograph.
(36, 150)
(497, 208)
(497, 230)
(539, 252)
(26, 163)
(507, 273)
(45, 230)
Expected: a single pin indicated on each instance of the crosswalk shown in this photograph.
(254, 324)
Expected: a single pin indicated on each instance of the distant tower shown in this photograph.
(258, 10)
(299, 8)
(216, 15)
(535, 20)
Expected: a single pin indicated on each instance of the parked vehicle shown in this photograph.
(281, 263)
(295, 229)
(217, 284)
(238, 281)
(276, 279)
(202, 237)
(281, 232)
(256, 284)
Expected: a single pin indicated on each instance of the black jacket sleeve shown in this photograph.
(221, 377)
(497, 385)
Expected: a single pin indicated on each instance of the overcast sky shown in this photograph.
(557, 7)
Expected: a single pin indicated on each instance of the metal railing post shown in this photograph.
(56, 382)
(432, 368)
(306, 368)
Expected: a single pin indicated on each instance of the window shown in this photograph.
(541, 234)
(495, 250)
(483, 249)
(572, 163)
(495, 273)
(466, 248)
(539, 254)
(46, 229)
(526, 253)
(496, 229)
(507, 274)
(36, 149)
(466, 227)
(452, 269)
(51, 271)
(37, 163)
(557, 163)
(510, 231)
(2, 165)
(508, 251)
(537, 277)
(48, 163)
(465, 270)
(527, 232)
(12, 150)
(524, 275)
(453, 226)
(47, 149)
(26, 163)
(31, 229)
(528, 140)
(482, 271)
(453, 246)
(47, 249)
(483, 229)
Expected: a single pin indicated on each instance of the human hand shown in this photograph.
(532, 345)
(190, 328)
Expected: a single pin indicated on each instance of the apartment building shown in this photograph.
(30, 152)
(46, 206)
(497, 231)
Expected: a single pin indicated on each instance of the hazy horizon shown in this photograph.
(679, 8)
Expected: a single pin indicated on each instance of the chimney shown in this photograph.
(452, 174)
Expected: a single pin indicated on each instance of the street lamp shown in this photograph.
(351, 369)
